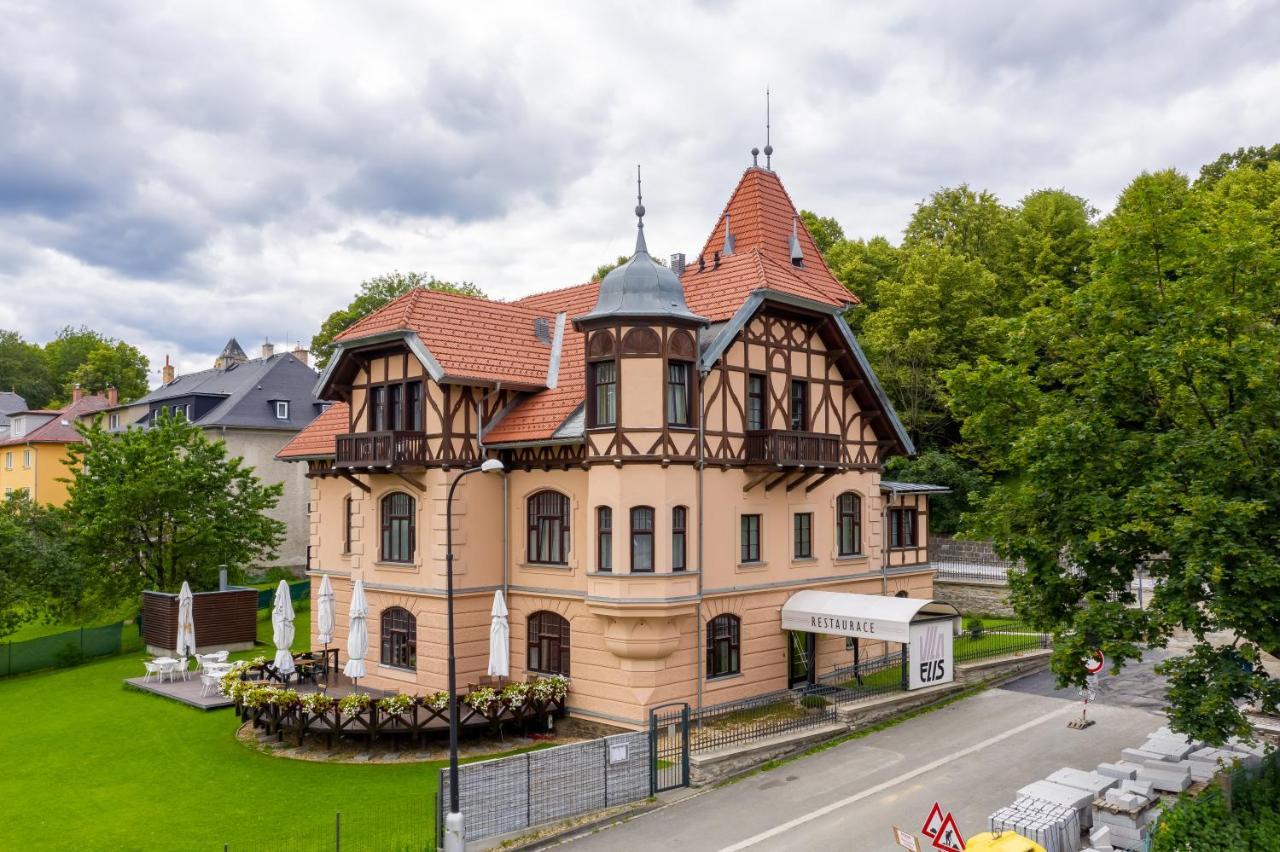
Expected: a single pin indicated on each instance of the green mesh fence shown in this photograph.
(67, 649)
(297, 591)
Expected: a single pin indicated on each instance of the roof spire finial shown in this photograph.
(640, 243)
(768, 146)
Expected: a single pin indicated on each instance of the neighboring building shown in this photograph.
(33, 454)
(10, 403)
(256, 405)
(683, 454)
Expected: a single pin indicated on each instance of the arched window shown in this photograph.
(642, 539)
(399, 638)
(548, 643)
(604, 538)
(346, 524)
(549, 528)
(679, 538)
(399, 522)
(724, 645)
(849, 524)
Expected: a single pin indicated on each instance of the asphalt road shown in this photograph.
(972, 756)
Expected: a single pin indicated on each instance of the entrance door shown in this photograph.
(801, 667)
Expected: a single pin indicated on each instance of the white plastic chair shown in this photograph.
(208, 681)
(182, 668)
(155, 670)
(220, 656)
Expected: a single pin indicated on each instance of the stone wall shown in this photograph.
(947, 549)
(974, 597)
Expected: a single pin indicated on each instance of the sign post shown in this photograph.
(1093, 665)
(906, 840)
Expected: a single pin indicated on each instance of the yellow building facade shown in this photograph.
(33, 457)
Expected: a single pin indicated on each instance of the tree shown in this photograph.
(153, 507)
(39, 573)
(941, 468)
(66, 352)
(1138, 426)
(375, 293)
(113, 365)
(1254, 157)
(864, 267)
(24, 371)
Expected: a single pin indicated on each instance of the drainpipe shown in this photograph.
(506, 498)
(702, 463)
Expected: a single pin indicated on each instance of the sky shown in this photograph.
(175, 174)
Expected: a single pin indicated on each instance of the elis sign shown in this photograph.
(930, 654)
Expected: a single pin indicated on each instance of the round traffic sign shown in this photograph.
(1095, 664)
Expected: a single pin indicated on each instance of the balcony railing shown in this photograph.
(381, 449)
(783, 447)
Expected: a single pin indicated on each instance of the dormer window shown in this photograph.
(678, 393)
(282, 409)
(604, 389)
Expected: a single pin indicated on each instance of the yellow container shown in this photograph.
(1005, 841)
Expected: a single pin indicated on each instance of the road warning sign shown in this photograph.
(948, 838)
(1093, 665)
(933, 822)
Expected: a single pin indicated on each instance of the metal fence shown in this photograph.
(405, 824)
(514, 793)
(300, 590)
(863, 680)
(972, 571)
(748, 719)
(68, 648)
(997, 638)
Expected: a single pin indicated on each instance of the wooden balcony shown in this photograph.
(785, 448)
(381, 449)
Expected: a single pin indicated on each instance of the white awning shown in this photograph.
(864, 616)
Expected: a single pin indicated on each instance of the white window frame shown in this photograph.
(8, 460)
(282, 409)
(26, 460)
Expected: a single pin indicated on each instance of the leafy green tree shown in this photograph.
(116, 365)
(825, 230)
(40, 575)
(67, 351)
(24, 371)
(1139, 425)
(375, 293)
(936, 467)
(865, 268)
(1254, 157)
(974, 225)
(153, 507)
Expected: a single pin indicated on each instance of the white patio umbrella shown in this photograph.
(282, 629)
(499, 638)
(186, 622)
(357, 633)
(324, 612)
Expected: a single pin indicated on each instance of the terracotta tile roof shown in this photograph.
(317, 440)
(61, 429)
(760, 215)
(472, 338)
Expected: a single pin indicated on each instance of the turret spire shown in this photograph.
(768, 146)
(640, 243)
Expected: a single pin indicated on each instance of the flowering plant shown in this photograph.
(282, 697)
(552, 686)
(514, 695)
(355, 703)
(483, 699)
(316, 703)
(231, 684)
(258, 662)
(255, 696)
(437, 701)
(398, 704)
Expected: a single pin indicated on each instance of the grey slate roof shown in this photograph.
(641, 287)
(912, 488)
(249, 391)
(10, 403)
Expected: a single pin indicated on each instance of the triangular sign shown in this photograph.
(934, 822)
(948, 838)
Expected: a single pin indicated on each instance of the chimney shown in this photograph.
(267, 350)
(542, 329)
(113, 396)
(166, 375)
(715, 260)
(677, 263)
(300, 353)
(77, 393)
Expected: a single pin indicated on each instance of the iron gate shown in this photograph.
(669, 747)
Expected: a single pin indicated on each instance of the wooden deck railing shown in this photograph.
(784, 447)
(381, 449)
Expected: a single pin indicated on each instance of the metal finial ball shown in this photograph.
(768, 150)
(755, 152)
(640, 210)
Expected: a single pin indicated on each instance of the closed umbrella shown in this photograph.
(357, 633)
(186, 622)
(324, 613)
(282, 629)
(499, 638)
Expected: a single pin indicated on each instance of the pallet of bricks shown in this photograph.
(1118, 803)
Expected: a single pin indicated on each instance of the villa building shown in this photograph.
(33, 449)
(686, 447)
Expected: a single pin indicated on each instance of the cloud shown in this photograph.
(179, 174)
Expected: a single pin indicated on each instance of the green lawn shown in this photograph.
(90, 764)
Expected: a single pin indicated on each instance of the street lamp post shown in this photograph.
(454, 840)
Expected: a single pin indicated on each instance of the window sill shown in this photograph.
(399, 566)
(752, 566)
(905, 547)
(851, 559)
(803, 560)
(396, 671)
(723, 677)
(543, 566)
(625, 574)
(545, 674)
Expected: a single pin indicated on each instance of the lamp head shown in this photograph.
(492, 466)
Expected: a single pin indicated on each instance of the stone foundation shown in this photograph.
(974, 597)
